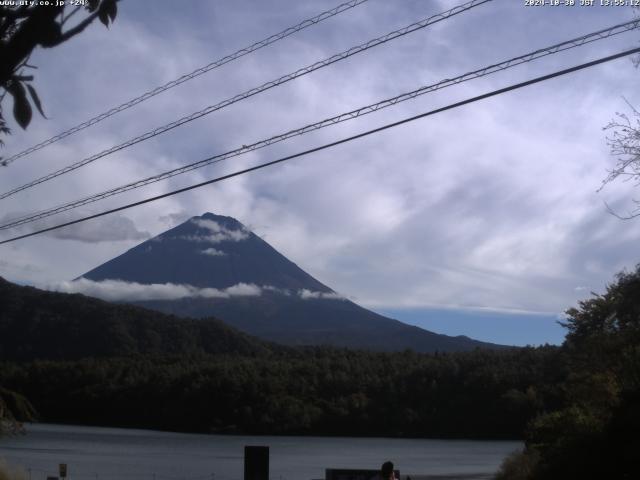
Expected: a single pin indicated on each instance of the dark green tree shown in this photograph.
(596, 431)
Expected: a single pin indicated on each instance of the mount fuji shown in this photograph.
(213, 265)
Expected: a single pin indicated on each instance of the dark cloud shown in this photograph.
(106, 229)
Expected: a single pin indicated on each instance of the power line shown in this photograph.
(569, 44)
(184, 78)
(333, 144)
(254, 91)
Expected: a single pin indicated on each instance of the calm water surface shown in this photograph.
(111, 453)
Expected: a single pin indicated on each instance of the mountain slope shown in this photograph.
(35, 324)
(234, 275)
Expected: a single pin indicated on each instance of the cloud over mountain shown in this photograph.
(213, 252)
(308, 294)
(118, 290)
(215, 233)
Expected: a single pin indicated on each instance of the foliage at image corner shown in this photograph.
(14, 409)
(26, 27)
(11, 472)
(596, 432)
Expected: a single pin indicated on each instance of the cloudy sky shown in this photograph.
(485, 220)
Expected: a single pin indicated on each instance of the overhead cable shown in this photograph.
(332, 144)
(186, 77)
(254, 91)
(528, 57)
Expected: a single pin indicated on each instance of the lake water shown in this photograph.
(94, 453)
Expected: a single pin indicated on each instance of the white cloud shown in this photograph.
(281, 291)
(216, 233)
(243, 290)
(173, 219)
(306, 294)
(117, 290)
(213, 252)
(18, 267)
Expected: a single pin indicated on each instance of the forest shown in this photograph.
(577, 406)
(317, 391)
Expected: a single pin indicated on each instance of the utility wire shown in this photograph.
(333, 144)
(184, 78)
(254, 91)
(576, 42)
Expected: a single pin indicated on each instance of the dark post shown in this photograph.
(256, 463)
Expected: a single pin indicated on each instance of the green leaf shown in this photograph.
(112, 10)
(21, 108)
(108, 11)
(104, 17)
(36, 99)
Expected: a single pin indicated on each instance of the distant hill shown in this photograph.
(232, 274)
(35, 324)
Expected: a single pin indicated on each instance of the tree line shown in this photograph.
(312, 391)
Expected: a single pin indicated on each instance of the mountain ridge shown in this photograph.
(39, 324)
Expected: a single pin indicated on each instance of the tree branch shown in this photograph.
(72, 32)
(630, 216)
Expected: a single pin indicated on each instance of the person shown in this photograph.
(386, 471)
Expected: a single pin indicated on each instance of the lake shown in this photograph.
(94, 453)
